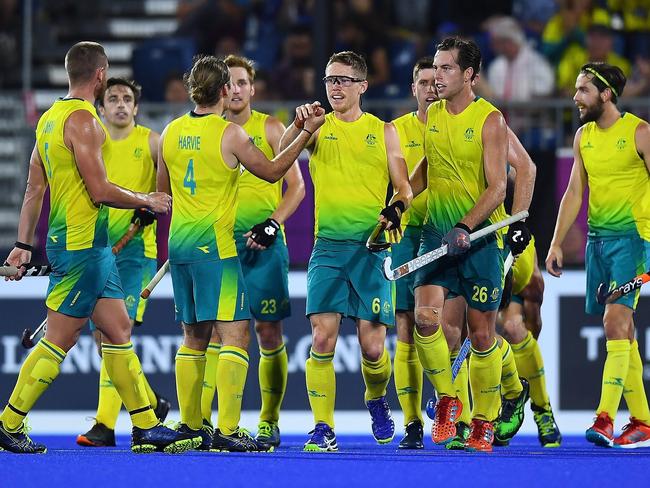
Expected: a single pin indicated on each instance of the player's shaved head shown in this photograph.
(83, 59)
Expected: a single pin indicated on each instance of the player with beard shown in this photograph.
(611, 153)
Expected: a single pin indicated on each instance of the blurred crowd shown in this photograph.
(532, 48)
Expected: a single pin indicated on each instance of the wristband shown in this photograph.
(23, 246)
(400, 204)
(460, 225)
(308, 132)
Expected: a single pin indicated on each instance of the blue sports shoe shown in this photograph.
(19, 442)
(162, 439)
(205, 433)
(431, 406)
(322, 439)
(383, 427)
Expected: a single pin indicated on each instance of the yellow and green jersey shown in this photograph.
(258, 199)
(349, 170)
(618, 179)
(75, 221)
(204, 190)
(132, 166)
(456, 172)
(410, 131)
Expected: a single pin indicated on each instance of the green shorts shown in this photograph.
(344, 277)
(210, 290)
(477, 275)
(406, 250)
(613, 261)
(135, 273)
(266, 274)
(80, 278)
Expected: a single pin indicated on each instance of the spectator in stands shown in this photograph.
(568, 27)
(639, 83)
(175, 90)
(293, 79)
(9, 50)
(208, 21)
(599, 48)
(518, 72)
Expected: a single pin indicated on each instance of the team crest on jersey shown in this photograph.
(257, 140)
(137, 153)
(621, 143)
(331, 137)
(469, 134)
(412, 144)
(387, 307)
(371, 139)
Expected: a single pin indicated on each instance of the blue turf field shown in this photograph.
(360, 462)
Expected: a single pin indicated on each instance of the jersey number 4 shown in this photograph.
(188, 181)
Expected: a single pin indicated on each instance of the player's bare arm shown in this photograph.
(642, 141)
(569, 208)
(525, 173)
(237, 147)
(419, 177)
(84, 137)
(30, 212)
(399, 178)
(294, 129)
(162, 173)
(295, 191)
(154, 138)
(495, 152)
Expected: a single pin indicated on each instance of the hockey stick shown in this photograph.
(28, 337)
(465, 346)
(32, 270)
(431, 256)
(155, 280)
(134, 227)
(372, 244)
(604, 295)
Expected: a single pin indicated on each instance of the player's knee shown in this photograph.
(427, 320)
(514, 330)
(323, 342)
(269, 334)
(453, 334)
(372, 351)
(482, 339)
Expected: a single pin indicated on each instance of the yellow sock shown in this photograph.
(634, 391)
(408, 381)
(434, 357)
(231, 377)
(273, 371)
(110, 403)
(530, 365)
(321, 386)
(615, 372)
(376, 375)
(510, 384)
(124, 369)
(209, 380)
(461, 383)
(37, 373)
(190, 370)
(485, 380)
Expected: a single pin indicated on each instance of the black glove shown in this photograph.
(506, 296)
(457, 240)
(144, 215)
(393, 213)
(518, 237)
(265, 232)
